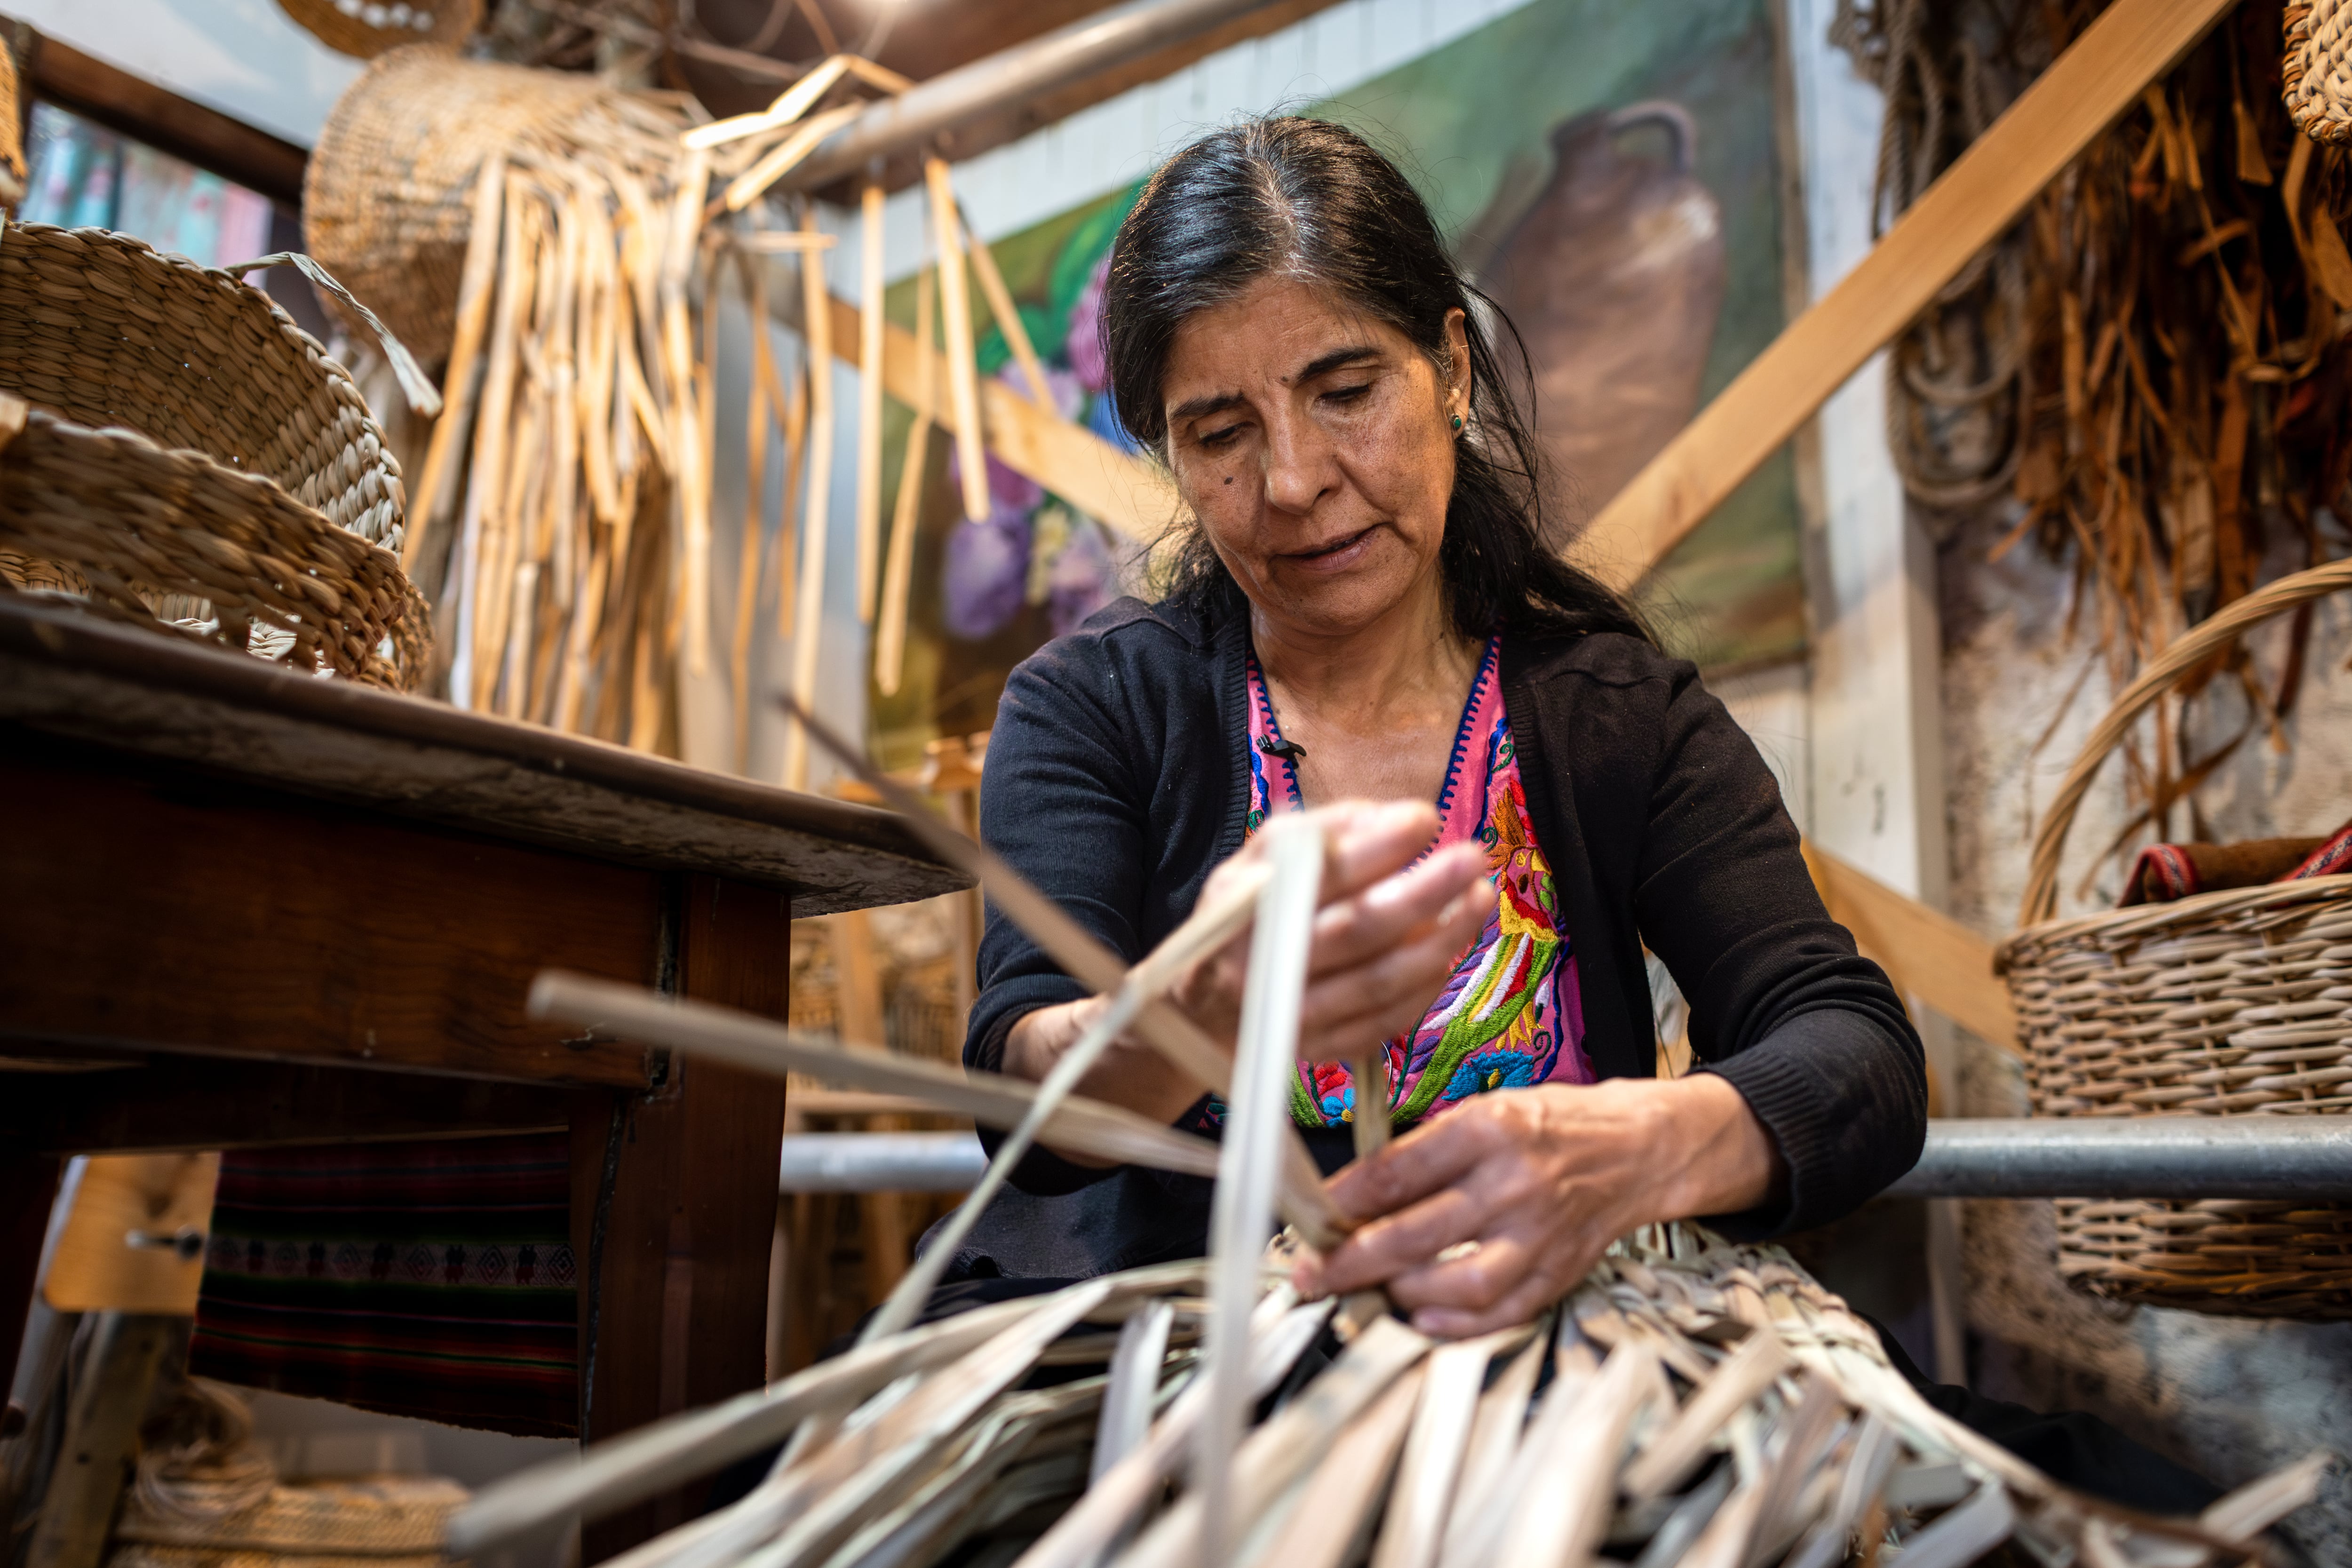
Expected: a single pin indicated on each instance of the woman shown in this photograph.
(1366, 620)
(1522, 792)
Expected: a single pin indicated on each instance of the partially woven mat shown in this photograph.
(432, 1278)
(2316, 73)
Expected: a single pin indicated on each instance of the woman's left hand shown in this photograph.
(1541, 1181)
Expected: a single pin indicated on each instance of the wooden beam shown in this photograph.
(2099, 76)
(1107, 484)
(1928, 954)
(58, 73)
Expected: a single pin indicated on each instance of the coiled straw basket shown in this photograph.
(2236, 1003)
(2315, 76)
(173, 444)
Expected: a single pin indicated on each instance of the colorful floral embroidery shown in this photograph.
(1510, 1014)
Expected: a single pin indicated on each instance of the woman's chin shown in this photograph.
(1341, 602)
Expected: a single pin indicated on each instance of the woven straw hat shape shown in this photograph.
(369, 27)
(2317, 71)
(388, 197)
(186, 438)
(2227, 1003)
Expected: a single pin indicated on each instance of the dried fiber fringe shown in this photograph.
(563, 520)
(1692, 1401)
(2155, 363)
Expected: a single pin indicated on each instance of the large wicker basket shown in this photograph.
(2234, 1002)
(388, 196)
(171, 444)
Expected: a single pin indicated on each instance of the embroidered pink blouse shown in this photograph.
(1509, 1016)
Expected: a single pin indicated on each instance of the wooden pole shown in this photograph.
(2097, 78)
(869, 403)
(1008, 320)
(955, 301)
(898, 577)
(808, 628)
(101, 1439)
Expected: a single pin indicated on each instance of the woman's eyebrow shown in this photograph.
(1334, 360)
(1217, 403)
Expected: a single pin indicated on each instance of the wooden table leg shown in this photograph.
(28, 1185)
(677, 1315)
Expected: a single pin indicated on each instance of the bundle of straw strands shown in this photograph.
(1690, 1404)
(545, 233)
(562, 244)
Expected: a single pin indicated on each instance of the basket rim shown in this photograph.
(226, 471)
(2139, 919)
(330, 369)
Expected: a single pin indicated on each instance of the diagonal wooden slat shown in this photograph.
(1928, 954)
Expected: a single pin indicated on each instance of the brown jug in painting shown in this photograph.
(1614, 277)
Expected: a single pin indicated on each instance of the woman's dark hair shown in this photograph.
(1303, 198)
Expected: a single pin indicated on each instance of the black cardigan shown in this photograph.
(1117, 778)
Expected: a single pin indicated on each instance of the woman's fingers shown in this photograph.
(1352, 930)
(1388, 1246)
(1367, 840)
(1434, 1157)
(1532, 1294)
(1349, 1007)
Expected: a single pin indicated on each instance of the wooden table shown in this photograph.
(244, 907)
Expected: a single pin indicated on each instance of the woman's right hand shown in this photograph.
(1387, 935)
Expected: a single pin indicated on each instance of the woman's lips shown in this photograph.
(1336, 556)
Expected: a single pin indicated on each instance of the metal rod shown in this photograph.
(880, 1162)
(2275, 1157)
(1096, 43)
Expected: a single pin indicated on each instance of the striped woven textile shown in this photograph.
(433, 1279)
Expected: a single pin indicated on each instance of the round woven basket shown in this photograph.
(2316, 73)
(2236, 1003)
(172, 443)
(369, 27)
(388, 196)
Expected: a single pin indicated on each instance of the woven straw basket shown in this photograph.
(369, 27)
(2316, 73)
(2227, 1003)
(172, 444)
(388, 197)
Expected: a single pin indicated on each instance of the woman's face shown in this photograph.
(1315, 444)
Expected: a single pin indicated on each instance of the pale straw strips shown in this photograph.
(869, 400)
(955, 302)
(898, 574)
(808, 619)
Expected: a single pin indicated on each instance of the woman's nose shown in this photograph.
(1298, 464)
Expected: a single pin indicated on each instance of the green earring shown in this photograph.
(1457, 424)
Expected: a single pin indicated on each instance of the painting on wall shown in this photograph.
(1607, 174)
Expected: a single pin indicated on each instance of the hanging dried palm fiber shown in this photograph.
(540, 233)
(2155, 363)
